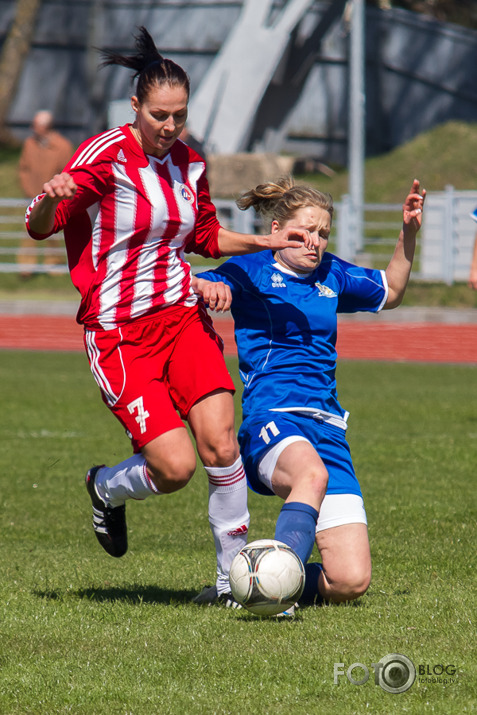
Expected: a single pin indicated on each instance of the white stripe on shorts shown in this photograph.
(98, 374)
(341, 509)
(318, 415)
(267, 464)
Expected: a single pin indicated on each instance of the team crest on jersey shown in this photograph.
(277, 281)
(325, 291)
(186, 193)
(121, 157)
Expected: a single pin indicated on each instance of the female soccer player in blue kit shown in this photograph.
(293, 437)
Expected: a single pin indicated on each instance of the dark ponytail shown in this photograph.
(149, 66)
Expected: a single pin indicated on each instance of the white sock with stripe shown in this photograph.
(228, 516)
(126, 480)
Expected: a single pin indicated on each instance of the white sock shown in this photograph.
(126, 480)
(228, 516)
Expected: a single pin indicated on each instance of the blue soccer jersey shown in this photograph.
(286, 324)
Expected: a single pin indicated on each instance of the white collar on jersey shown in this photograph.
(289, 271)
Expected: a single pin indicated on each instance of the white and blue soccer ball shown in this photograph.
(267, 577)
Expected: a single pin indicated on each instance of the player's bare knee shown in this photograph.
(356, 589)
(222, 452)
(169, 482)
(316, 481)
(354, 585)
(172, 475)
(319, 481)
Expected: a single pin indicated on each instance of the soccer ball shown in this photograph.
(267, 577)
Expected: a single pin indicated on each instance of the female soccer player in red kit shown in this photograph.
(131, 202)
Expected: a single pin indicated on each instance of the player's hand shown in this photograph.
(472, 283)
(291, 237)
(413, 207)
(217, 296)
(60, 187)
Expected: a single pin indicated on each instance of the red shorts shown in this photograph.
(152, 369)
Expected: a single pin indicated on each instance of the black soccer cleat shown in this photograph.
(109, 523)
(209, 597)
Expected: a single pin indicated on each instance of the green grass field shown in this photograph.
(86, 634)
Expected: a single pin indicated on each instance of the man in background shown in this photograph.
(45, 153)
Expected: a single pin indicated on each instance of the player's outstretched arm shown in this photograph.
(399, 268)
(473, 267)
(238, 244)
(42, 215)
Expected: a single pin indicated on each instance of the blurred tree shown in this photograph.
(460, 12)
(14, 52)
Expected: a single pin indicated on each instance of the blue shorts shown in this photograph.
(263, 430)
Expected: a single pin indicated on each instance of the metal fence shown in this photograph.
(448, 235)
(443, 251)
(18, 253)
(380, 228)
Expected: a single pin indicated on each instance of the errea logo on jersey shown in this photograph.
(277, 281)
(325, 291)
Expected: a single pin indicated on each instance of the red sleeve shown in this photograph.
(36, 236)
(204, 240)
(92, 185)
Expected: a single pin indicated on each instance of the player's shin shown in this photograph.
(127, 480)
(296, 525)
(228, 516)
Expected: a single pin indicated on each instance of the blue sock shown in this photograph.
(311, 596)
(296, 526)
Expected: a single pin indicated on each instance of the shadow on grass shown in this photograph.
(139, 595)
(131, 594)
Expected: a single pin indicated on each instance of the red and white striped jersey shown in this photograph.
(129, 224)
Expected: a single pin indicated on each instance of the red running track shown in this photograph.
(416, 342)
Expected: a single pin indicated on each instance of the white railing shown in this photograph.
(13, 246)
(443, 254)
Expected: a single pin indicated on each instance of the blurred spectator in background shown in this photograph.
(473, 265)
(194, 143)
(45, 153)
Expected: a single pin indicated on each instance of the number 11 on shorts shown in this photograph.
(264, 432)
